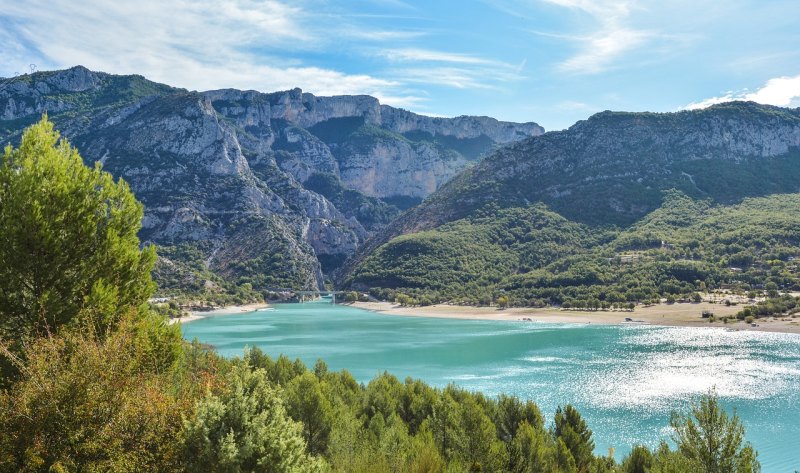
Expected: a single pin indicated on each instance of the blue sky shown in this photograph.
(549, 61)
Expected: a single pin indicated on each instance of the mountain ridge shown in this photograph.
(605, 173)
(217, 167)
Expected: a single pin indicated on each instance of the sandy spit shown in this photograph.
(233, 309)
(673, 315)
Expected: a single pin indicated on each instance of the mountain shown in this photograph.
(242, 187)
(622, 202)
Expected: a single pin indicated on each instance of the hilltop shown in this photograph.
(620, 207)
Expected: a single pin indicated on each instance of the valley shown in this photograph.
(398, 236)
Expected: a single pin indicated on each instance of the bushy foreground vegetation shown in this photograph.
(535, 257)
(92, 380)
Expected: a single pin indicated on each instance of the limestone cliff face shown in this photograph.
(376, 149)
(306, 110)
(403, 121)
(397, 167)
(246, 187)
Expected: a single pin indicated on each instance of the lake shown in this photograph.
(625, 380)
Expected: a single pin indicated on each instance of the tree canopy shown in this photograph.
(707, 436)
(69, 243)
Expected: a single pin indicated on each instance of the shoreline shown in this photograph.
(667, 315)
(229, 310)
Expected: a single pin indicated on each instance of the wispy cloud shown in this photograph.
(455, 77)
(780, 91)
(265, 45)
(573, 105)
(599, 49)
(198, 45)
(415, 54)
(449, 69)
(382, 35)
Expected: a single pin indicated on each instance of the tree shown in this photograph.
(532, 450)
(640, 460)
(772, 289)
(715, 441)
(68, 240)
(502, 302)
(478, 447)
(443, 424)
(245, 428)
(510, 412)
(307, 404)
(425, 457)
(570, 428)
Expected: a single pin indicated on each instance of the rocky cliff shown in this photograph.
(245, 187)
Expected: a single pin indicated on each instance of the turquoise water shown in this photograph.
(625, 380)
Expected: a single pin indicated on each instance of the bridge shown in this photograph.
(310, 295)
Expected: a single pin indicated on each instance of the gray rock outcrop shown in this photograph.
(241, 187)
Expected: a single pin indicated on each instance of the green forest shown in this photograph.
(92, 380)
(535, 257)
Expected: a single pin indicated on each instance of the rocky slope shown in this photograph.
(245, 187)
(607, 172)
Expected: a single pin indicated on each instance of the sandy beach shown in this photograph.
(674, 315)
(233, 309)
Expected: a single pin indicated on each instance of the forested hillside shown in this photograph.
(621, 208)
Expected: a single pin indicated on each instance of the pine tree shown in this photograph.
(68, 240)
(708, 436)
(245, 428)
(570, 428)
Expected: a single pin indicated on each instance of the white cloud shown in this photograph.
(781, 91)
(599, 8)
(415, 54)
(456, 70)
(245, 44)
(402, 101)
(197, 45)
(599, 49)
(382, 35)
(457, 77)
(573, 105)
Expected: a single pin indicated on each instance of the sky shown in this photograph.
(553, 62)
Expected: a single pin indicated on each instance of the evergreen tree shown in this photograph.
(306, 403)
(245, 428)
(571, 429)
(68, 240)
(478, 447)
(531, 451)
(715, 441)
(510, 412)
(640, 460)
